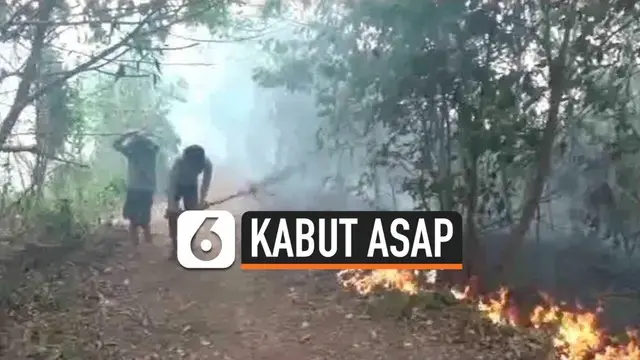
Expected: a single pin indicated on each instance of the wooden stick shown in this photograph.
(253, 189)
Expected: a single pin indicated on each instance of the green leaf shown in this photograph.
(327, 70)
(120, 73)
(144, 8)
(323, 113)
(319, 139)
(280, 47)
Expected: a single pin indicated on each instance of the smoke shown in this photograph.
(235, 120)
(240, 125)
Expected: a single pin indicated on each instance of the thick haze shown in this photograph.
(232, 117)
(224, 112)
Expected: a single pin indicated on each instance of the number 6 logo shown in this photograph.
(189, 222)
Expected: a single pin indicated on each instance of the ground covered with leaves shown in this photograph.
(108, 301)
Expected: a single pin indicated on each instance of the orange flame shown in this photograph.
(576, 334)
(367, 282)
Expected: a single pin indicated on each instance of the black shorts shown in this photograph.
(189, 196)
(137, 206)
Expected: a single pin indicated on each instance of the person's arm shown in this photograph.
(120, 143)
(207, 175)
(155, 148)
(172, 187)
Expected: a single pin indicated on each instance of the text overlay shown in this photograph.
(351, 240)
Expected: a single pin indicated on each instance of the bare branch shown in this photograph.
(122, 76)
(18, 148)
(44, 134)
(5, 75)
(117, 59)
(30, 73)
(229, 40)
(21, 100)
(172, 48)
(36, 151)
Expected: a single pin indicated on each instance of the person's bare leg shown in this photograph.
(146, 231)
(172, 218)
(133, 234)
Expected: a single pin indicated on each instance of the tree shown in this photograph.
(473, 101)
(105, 110)
(54, 120)
(111, 30)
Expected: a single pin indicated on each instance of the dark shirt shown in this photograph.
(184, 175)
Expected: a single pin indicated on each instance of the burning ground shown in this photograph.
(123, 307)
(105, 304)
(543, 330)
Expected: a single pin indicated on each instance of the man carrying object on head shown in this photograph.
(141, 154)
(183, 185)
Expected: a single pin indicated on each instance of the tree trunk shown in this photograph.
(473, 252)
(30, 73)
(394, 196)
(542, 169)
(534, 189)
(43, 130)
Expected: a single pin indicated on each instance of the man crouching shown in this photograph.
(141, 153)
(183, 185)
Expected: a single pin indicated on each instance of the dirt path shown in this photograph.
(139, 305)
(235, 314)
(244, 315)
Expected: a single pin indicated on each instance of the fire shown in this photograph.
(576, 335)
(499, 310)
(367, 282)
(629, 352)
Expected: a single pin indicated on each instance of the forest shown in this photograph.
(522, 115)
